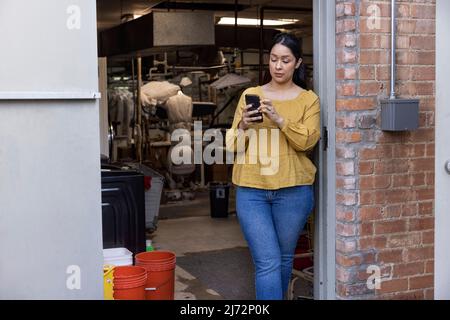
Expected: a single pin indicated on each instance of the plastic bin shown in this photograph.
(219, 195)
(152, 196)
(117, 257)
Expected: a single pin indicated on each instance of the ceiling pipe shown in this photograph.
(393, 47)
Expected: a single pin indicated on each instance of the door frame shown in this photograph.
(324, 34)
(442, 204)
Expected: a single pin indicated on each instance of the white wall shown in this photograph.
(50, 198)
(442, 181)
(50, 214)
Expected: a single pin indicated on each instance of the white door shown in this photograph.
(324, 78)
(442, 186)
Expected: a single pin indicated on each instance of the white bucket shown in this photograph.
(117, 257)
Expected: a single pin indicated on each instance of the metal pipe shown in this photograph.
(261, 45)
(393, 47)
(236, 6)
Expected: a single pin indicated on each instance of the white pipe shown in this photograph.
(393, 45)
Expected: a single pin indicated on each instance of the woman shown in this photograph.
(273, 208)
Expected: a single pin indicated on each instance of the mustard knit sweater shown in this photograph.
(271, 158)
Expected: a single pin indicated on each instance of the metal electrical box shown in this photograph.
(400, 115)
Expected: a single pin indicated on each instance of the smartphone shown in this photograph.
(254, 100)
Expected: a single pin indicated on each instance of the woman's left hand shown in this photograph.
(270, 112)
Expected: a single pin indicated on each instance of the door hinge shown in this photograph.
(325, 138)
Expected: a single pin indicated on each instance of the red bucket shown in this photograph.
(129, 283)
(160, 266)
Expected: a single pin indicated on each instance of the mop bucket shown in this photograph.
(108, 282)
(129, 283)
(160, 266)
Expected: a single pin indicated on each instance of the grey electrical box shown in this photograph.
(400, 115)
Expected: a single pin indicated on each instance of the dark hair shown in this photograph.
(291, 42)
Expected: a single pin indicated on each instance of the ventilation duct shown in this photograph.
(158, 31)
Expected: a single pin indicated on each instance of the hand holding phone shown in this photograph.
(254, 100)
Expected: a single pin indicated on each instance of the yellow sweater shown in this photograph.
(271, 158)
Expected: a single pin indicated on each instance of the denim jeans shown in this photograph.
(272, 221)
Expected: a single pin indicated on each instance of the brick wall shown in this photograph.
(385, 181)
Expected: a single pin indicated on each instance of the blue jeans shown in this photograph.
(272, 221)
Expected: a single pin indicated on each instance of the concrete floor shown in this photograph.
(193, 235)
(201, 235)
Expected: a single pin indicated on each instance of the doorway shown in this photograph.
(322, 56)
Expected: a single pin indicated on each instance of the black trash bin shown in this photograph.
(219, 194)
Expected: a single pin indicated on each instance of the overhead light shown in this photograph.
(136, 16)
(255, 22)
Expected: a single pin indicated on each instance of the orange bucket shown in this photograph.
(129, 283)
(160, 266)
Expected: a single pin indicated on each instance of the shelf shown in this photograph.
(27, 95)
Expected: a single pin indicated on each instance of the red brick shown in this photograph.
(391, 167)
(348, 137)
(429, 294)
(379, 152)
(391, 226)
(396, 285)
(393, 211)
(408, 269)
(429, 266)
(371, 197)
(372, 88)
(348, 89)
(370, 213)
(374, 57)
(404, 240)
(421, 165)
(345, 25)
(355, 104)
(421, 282)
(384, 73)
(390, 256)
(423, 42)
(367, 73)
(428, 237)
(345, 230)
(374, 41)
(376, 242)
(423, 12)
(348, 260)
(366, 167)
(374, 182)
(414, 89)
(346, 74)
(420, 254)
(345, 152)
(344, 215)
(346, 198)
(366, 229)
(425, 208)
(345, 168)
(424, 194)
(409, 210)
(345, 246)
(345, 40)
(421, 224)
(346, 56)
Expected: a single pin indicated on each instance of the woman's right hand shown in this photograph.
(248, 117)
